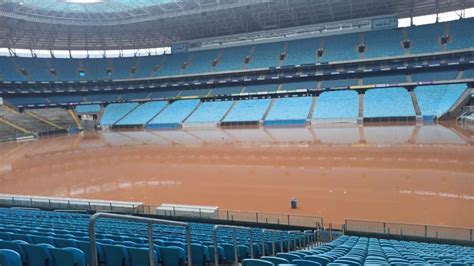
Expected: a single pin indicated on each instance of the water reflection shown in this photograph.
(375, 135)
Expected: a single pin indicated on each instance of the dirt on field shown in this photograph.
(400, 174)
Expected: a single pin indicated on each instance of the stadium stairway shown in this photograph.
(44, 120)
(361, 108)
(228, 111)
(419, 117)
(270, 106)
(194, 110)
(22, 121)
(13, 125)
(75, 118)
(311, 108)
(460, 102)
(217, 60)
(251, 56)
(157, 114)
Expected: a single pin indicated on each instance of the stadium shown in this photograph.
(251, 132)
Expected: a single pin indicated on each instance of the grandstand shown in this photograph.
(171, 119)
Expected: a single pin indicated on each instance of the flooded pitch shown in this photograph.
(410, 174)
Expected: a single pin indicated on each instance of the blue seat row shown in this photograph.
(436, 100)
(44, 254)
(123, 243)
(292, 109)
(391, 102)
(116, 111)
(342, 47)
(352, 250)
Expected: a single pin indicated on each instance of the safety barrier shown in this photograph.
(149, 222)
(412, 230)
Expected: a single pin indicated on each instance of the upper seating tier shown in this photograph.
(341, 47)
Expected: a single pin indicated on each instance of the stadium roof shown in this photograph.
(133, 24)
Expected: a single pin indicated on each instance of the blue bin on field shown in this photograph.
(294, 203)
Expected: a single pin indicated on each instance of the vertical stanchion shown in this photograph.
(251, 243)
(151, 247)
(316, 237)
(289, 242)
(236, 249)
(308, 238)
(290, 233)
(216, 253)
(273, 243)
(234, 237)
(149, 222)
(330, 232)
(281, 242)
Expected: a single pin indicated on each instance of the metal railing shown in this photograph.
(240, 216)
(17, 137)
(149, 222)
(413, 230)
(234, 237)
(273, 241)
(69, 204)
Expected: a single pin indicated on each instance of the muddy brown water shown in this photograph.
(409, 174)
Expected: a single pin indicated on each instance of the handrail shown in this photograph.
(234, 236)
(273, 240)
(309, 238)
(289, 239)
(148, 221)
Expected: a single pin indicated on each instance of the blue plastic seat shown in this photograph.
(320, 259)
(275, 260)
(26, 238)
(15, 246)
(347, 262)
(43, 240)
(67, 256)
(9, 257)
(301, 262)
(172, 256)
(175, 244)
(65, 243)
(296, 253)
(140, 256)
(256, 262)
(243, 252)
(199, 254)
(5, 236)
(288, 256)
(86, 249)
(38, 255)
(228, 252)
(115, 255)
(220, 252)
